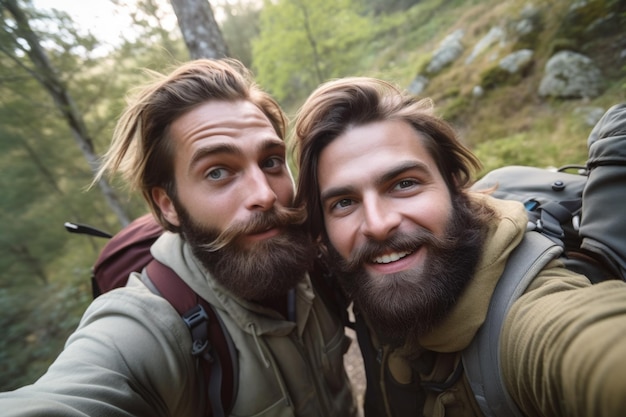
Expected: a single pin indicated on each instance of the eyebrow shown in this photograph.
(272, 144)
(207, 151)
(230, 149)
(382, 179)
(336, 192)
(402, 168)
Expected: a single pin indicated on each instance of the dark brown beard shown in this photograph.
(403, 306)
(257, 271)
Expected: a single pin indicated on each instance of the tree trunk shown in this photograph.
(312, 42)
(201, 33)
(46, 75)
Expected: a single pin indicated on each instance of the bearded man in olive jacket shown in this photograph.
(204, 144)
(387, 187)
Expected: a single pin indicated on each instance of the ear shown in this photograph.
(166, 205)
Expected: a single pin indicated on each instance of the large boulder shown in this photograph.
(517, 61)
(448, 51)
(418, 85)
(495, 35)
(571, 75)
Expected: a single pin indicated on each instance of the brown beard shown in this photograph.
(403, 306)
(258, 271)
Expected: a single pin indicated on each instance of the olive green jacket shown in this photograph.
(131, 355)
(563, 344)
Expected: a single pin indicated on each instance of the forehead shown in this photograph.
(221, 117)
(365, 150)
(237, 125)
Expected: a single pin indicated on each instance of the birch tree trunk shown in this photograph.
(201, 33)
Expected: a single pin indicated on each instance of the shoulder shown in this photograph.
(135, 308)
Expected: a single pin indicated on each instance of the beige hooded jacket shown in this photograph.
(563, 345)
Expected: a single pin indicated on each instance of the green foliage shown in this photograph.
(387, 6)
(456, 105)
(44, 278)
(563, 44)
(239, 28)
(305, 42)
(36, 322)
(549, 141)
(585, 17)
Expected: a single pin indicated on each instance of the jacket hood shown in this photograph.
(504, 233)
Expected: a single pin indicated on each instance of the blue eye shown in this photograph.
(216, 174)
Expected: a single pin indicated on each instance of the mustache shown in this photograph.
(399, 242)
(277, 217)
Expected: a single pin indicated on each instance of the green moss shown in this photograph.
(579, 23)
(495, 77)
(456, 109)
(563, 44)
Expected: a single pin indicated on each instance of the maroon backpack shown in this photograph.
(129, 251)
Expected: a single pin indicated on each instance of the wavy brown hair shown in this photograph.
(338, 105)
(142, 150)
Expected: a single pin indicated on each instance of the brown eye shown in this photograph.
(404, 184)
(272, 163)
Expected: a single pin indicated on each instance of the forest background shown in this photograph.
(292, 46)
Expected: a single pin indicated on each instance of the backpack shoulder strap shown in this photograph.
(211, 341)
(481, 359)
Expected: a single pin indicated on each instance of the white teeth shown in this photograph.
(392, 257)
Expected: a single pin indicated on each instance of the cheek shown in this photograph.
(209, 208)
(214, 212)
(284, 190)
(436, 215)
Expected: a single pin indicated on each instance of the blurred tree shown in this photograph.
(27, 43)
(201, 33)
(387, 6)
(304, 42)
(44, 274)
(240, 26)
(154, 30)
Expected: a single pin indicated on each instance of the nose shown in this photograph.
(259, 193)
(380, 220)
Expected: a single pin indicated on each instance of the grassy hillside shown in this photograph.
(509, 123)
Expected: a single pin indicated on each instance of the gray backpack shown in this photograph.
(579, 217)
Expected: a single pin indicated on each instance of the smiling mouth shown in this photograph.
(390, 257)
